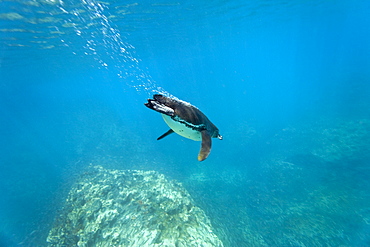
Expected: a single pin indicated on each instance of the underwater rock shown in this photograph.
(130, 208)
(347, 140)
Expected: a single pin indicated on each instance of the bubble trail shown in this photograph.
(104, 42)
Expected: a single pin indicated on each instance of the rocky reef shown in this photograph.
(308, 187)
(130, 208)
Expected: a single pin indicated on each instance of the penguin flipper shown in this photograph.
(206, 145)
(165, 134)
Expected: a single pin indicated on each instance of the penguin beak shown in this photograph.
(219, 137)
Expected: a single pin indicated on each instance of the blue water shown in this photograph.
(286, 82)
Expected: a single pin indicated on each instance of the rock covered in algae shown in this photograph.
(130, 208)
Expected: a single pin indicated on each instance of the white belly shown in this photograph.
(181, 129)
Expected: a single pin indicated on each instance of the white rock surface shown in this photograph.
(130, 208)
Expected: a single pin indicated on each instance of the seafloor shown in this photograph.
(307, 188)
(130, 208)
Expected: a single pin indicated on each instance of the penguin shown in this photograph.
(186, 120)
